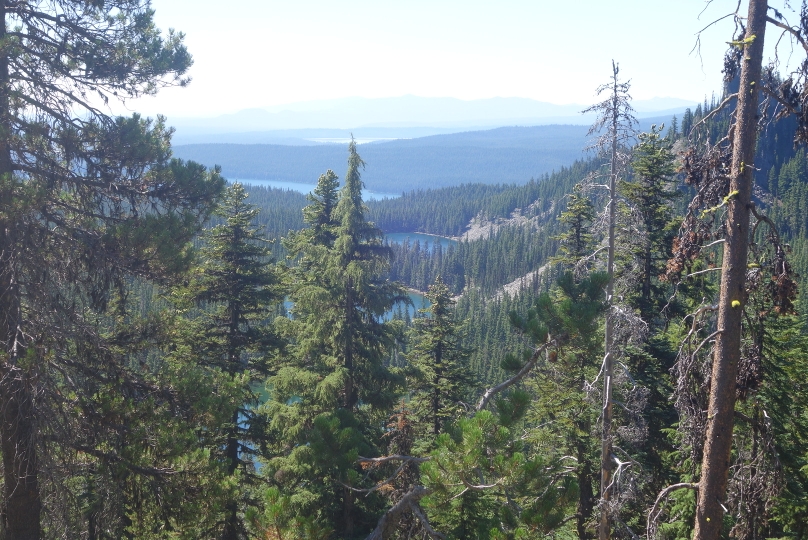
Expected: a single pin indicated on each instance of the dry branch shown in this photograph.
(653, 515)
(491, 392)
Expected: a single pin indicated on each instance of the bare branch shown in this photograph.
(395, 457)
(391, 518)
(416, 509)
(653, 515)
(714, 111)
(516, 378)
(795, 33)
(702, 272)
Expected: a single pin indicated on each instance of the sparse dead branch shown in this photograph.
(655, 512)
(491, 392)
(714, 112)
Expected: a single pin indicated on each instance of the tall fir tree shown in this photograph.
(650, 194)
(335, 390)
(237, 290)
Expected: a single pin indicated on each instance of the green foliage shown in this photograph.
(334, 388)
(440, 379)
(235, 290)
(577, 241)
(486, 483)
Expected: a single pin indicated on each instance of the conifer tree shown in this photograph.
(319, 215)
(335, 389)
(577, 241)
(85, 200)
(439, 362)
(616, 115)
(650, 195)
(237, 288)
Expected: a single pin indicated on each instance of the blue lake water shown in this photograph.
(418, 300)
(308, 188)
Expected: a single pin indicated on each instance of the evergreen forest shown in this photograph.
(615, 349)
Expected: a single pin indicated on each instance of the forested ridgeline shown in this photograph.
(504, 155)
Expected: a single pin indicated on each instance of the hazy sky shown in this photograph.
(260, 53)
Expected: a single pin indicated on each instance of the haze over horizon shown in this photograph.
(269, 54)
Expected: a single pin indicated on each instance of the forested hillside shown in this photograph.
(530, 223)
(505, 155)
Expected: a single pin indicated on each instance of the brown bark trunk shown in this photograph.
(718, 443)
(21, 503)
(347, 512)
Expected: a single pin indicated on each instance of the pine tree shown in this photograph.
(86, 200)
(721, 409)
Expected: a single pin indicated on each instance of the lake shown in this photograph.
(308, 188)
(418, 300)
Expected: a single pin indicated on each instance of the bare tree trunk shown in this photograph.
(718, 443)
(604, 530)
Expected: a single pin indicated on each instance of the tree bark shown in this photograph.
(718, 443)
(21, 501)
(22, 504)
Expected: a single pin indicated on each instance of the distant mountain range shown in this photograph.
(390, 118)
(502, 155)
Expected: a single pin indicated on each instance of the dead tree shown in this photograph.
(616, 116)
(721, 408)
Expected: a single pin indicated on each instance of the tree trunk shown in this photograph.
(718, 443)
(21, 502)
(586, 497)
(349, 401)
(231, 525)
(604, 530)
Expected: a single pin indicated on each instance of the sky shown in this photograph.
(265, 53)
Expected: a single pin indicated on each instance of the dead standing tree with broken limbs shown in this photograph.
(616, 121)
(721, 214)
